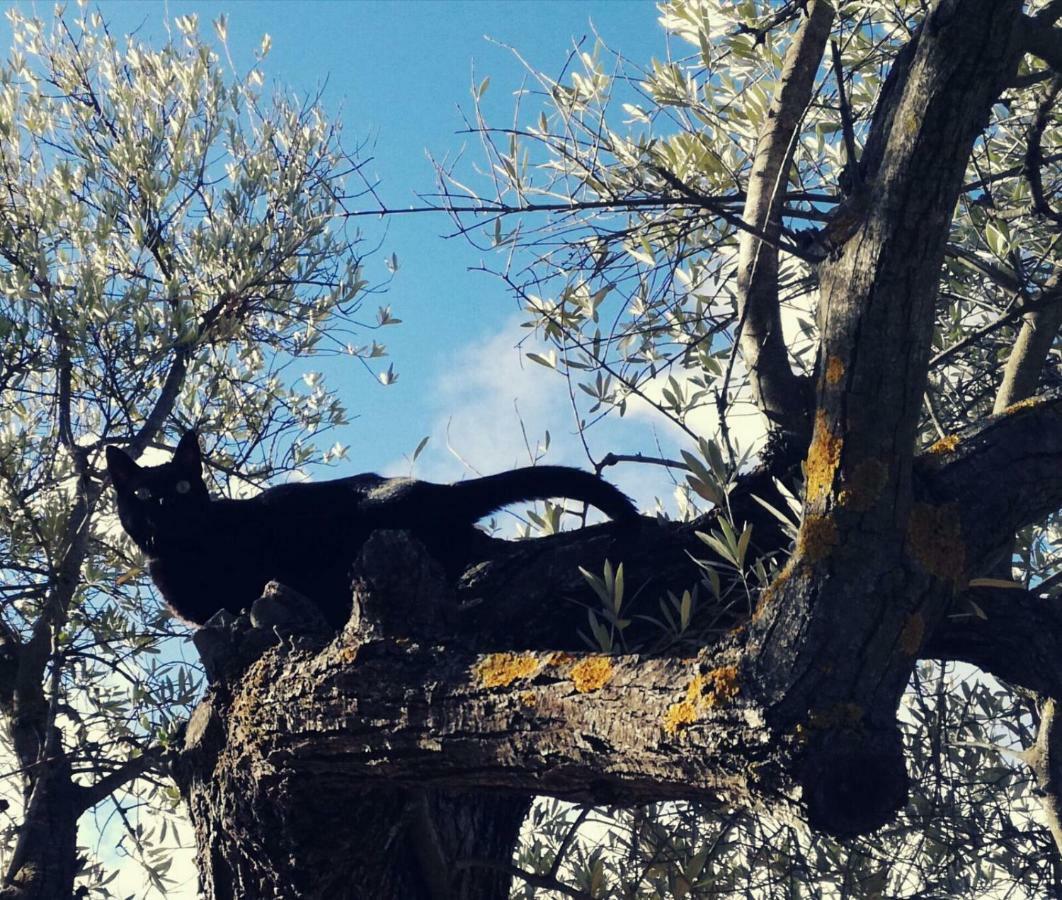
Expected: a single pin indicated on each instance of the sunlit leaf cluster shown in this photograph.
(641, 173)
(173, 252)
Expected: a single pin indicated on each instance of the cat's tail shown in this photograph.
(479, 497)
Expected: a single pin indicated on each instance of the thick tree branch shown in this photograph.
(585, 724)
(1004, 475)
(405, 707)
(874, 567)
(1019, 638)
(1041, 39)
(878, 297)
(776, 389)
(1044, 758)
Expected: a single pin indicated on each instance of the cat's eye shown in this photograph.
(182, 487)
(142, 493)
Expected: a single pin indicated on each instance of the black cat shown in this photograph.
(205, 553)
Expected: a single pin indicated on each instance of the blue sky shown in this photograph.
(399, 74)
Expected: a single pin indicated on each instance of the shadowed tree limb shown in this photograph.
(1004, 475)
(874, 567)
(1019, 640)
(1034, 155)
(1041, 39)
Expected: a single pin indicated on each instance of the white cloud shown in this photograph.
(494, 407)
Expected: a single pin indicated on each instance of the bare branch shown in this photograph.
(1034, 157)
(851, 164)
(1026, 359)
(1045, 301)
(90, 795)
(777, 391)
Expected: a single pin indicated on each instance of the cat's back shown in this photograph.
(318, 497)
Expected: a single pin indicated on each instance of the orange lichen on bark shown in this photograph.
(705, 692)
(934, 539)
(724, 686)
(945, 445)
(501, 669)
(817, 537)
(823, 458)
(528, 698)
(834, 370)
(862, 487)
(1022, 404)
(592, 673)
(684, 713)
(914, 629)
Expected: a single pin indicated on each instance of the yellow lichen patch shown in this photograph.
(863, 486)
(945, 445)
(705, 692)
(723, 686)
(817, 537)
(679, 715)
(592, 673)
(914, 630)
(501, 669)
(528, 698)
(834, 370)
(934, 538)
(823, 457)
(1022, 404)
(684, 713)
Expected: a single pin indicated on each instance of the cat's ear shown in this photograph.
(121, 467)
(187, 454)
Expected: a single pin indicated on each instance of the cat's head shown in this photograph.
(160, 504)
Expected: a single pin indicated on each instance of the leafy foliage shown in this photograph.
(172, 248)
(642, 171)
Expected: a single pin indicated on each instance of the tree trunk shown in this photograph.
(45, 860)
(397, 761)
(265, 831)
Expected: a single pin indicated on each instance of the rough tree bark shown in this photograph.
(396, 759)
(344, 736)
